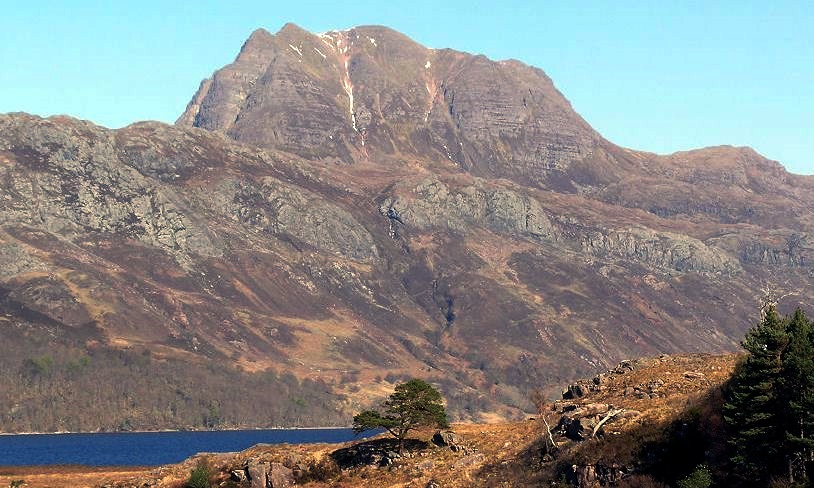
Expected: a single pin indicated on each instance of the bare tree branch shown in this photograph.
(548, 431)
(610, 415)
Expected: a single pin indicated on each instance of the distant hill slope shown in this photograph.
(360, 209)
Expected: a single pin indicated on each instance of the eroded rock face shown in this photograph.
(68, 180)
(278, 208)
(432, 205)
(14, 260)
(185, 214)
(661, 249)
(280, 92)
(369, 90)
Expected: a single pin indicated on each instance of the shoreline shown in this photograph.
(174, 431)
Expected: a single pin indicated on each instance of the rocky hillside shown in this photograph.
(345, 210)
(645, 423)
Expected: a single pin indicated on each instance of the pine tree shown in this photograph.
(751, 411)
(796, 395)
(412, 405)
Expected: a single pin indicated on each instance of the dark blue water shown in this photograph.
(147, 448)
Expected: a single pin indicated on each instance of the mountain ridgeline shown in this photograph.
(334, 213)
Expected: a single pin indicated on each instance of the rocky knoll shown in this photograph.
(352, 209)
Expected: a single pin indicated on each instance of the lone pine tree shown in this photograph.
(413, 404)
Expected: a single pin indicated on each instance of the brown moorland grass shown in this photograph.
(507, 454)
(68, 476)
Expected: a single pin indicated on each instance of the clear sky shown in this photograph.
(659, 76)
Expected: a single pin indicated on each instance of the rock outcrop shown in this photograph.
(270, 205)
(451, 440)
(661, 249)
(431, 204)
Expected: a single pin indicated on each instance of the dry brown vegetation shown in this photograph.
(663, 398)
(64, 476)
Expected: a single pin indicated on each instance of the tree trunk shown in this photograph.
(610, 415)
(401, 445)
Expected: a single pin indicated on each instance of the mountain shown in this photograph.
(336, 212)
(370, 92)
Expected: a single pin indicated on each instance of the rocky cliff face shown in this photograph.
(371, 92)
(357, 208)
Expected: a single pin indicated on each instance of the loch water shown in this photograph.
(148, 448)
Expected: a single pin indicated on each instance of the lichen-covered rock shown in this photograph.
(14, 260)
(575, 390)
(283, 209)
(593, 476)
(576, 428)
(660, 249)
(238, 475)
(280, 476)
(432, 205)
(258, 473)
(67, 179)
(469, 461)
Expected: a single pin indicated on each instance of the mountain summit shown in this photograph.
(334, 213)
(370, 92)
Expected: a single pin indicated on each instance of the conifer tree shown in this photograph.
(752, 410)
(796, 395)
(412, 405)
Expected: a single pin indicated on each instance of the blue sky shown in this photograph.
(657, 76)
